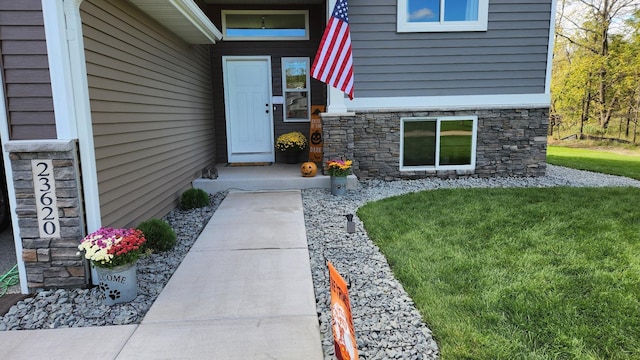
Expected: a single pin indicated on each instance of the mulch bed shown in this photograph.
(8, 300)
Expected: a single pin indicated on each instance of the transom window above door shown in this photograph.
(273, 25)
(442, 15)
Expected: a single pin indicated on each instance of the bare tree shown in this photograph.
(589, 25)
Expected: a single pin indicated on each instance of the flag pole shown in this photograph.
(335, 97)
(333, 63)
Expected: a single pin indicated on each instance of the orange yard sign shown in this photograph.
(344, 338)
(315, 136)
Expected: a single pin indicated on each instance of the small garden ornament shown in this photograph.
(308, 169)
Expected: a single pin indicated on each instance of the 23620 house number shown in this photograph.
(44, 186)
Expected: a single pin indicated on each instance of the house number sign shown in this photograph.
(44, 186)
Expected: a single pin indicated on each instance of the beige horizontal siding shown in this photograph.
(25, 67)
(151, 111)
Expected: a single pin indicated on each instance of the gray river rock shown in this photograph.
(387, 324)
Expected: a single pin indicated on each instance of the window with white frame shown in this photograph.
(295, 89)
(259, 25)
(443, 143)
(442, 15)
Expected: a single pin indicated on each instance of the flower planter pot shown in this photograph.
(338, 185)
(117, 285)
(290, 157)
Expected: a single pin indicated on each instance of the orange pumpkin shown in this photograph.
(308, 169)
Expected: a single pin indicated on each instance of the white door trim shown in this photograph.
(251, 157)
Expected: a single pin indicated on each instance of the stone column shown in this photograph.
(337, 133)
(49, 239)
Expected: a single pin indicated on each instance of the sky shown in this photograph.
(574, 11)
(429, 10)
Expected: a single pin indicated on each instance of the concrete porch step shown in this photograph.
(268, 177)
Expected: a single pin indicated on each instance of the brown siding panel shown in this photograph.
(30, 131)
(14, 32)
(31, 47)
(25, 62)
(30, 104)
(28, 90)
(35, 5)
(151, 110)
(28, 117)
(21, 18)
(25, 68)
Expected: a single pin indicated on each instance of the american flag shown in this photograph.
(333, 63)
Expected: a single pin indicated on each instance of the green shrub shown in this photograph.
(160, 236)
(194, 198)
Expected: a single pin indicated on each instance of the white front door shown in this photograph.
(247, 95)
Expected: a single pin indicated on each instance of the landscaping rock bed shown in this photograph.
(386, 322)
(63, 308)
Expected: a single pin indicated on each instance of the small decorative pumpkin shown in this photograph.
(308, 169)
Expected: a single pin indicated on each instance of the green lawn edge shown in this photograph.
(549, 273)
(594, 160)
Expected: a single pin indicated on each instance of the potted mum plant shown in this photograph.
(291, 145)
(114, 253)
(338, 170)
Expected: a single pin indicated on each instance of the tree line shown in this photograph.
(595, 86)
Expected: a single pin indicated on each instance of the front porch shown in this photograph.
(274, 176)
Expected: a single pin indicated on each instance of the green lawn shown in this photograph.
(518, 273)
(594, 160)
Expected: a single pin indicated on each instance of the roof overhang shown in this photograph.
(265, 2)
(183, 17)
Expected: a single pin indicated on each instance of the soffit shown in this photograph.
(265, 2)
(183, 17)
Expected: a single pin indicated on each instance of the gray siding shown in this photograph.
(151, 110)
(509, 58)
(23, 60)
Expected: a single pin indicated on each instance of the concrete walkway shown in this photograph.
(244, 291)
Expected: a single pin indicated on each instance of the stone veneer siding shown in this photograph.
(510, 142)
(49, 262)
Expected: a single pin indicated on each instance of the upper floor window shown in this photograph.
(265, 24)
(442, 15)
